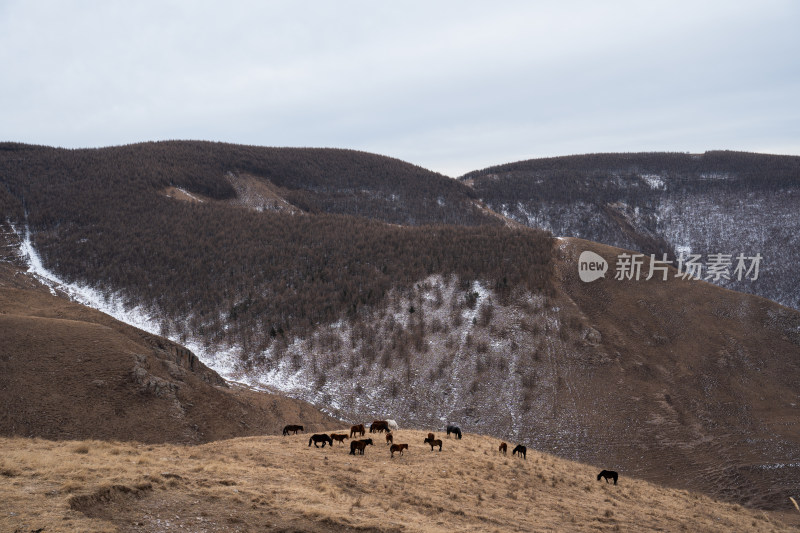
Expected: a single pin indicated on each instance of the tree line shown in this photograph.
(617, 177)
(227, 273)
(316, 180)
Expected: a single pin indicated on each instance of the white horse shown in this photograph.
(392, 424)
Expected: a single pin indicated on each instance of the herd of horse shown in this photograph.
(357, 447)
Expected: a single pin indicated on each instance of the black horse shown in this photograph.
(520, 449)
(293, 428)
(320, 437)
(608, 474)
(454, 429)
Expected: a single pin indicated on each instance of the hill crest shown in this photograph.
(280, 483)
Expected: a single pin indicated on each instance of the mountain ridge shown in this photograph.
(485, 325)
(718, 202)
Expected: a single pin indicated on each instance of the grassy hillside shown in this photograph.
(680, 381)
(70, 372)
(282, 484)
(692, 385)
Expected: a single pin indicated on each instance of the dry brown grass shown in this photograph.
(271, 483)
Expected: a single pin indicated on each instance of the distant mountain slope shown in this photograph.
(696, 385)
(69, 372)
(314, 180)
(712, 203)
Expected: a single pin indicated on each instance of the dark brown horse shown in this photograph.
(608, 474)
(521, 450)
(398, 448)
(431, 436)
(434, 442)
(290, 427)
(379, 426)
(339, 436)
(503, 448)
(389, 438)
(359, 445)
(320, 437)
(359, 429)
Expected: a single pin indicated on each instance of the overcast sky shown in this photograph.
(451, 86)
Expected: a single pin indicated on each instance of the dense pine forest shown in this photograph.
(102, 218)
(613, 176)
(718, 202)
(315, 180)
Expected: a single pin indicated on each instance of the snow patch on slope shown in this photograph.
(441, 351)
(221, 359)
(654, 181)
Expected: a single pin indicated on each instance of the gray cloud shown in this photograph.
(453, 87)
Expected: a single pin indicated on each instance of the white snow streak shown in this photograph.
(221, 359)
(654, 181)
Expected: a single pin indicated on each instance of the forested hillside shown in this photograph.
(712, 203)
(314, 180)
(211, 269)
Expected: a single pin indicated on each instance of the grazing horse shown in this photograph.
(339, 436)
(392, 425)
(608, 474)
(503, 448)
(398, 448)
(431, 436)
(320, 437)
(359, 429)
(389, 438)
(359, 445)
(290, 427)
(522, 450)
(454, 429)
(434, 442)
(379, 426)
